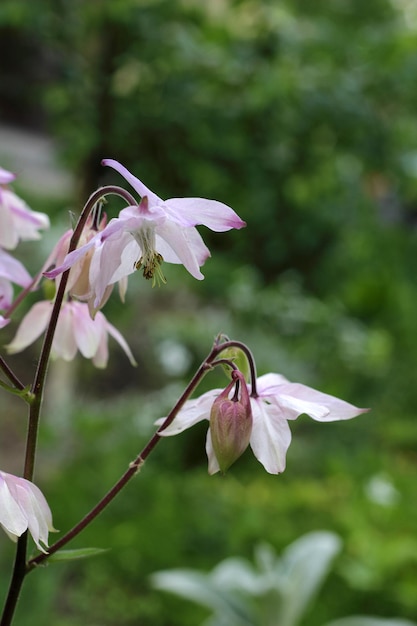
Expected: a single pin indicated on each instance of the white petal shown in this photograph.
(271, 436)
(184, 249)
(268, 384)
(213, 465)
(121, 341)
(193, 411)
(87, 332)
(3, 321)
(11, 516)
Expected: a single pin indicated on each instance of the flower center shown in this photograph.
(150, 260)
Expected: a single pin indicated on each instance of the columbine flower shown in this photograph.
(276, 401)
(24, 507)
(148, 233)
(75, 330)
(17, 220)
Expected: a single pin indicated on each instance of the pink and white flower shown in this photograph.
(78, 285)
(24, 507)
(144, 235)
(275, 403)
(17, 221)
(75, 330)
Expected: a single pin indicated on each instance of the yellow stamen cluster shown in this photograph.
(152, 268)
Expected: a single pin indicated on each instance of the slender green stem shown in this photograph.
(134, 468)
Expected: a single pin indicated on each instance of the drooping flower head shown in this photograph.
(75, 330)
(24, 507)
(144, 235)
(275, 402)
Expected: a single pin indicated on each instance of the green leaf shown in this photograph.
(360, 620)
(73, 555)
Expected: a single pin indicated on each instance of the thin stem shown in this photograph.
(37, 388)
(16, 582)
(230, 343)
(11, 375)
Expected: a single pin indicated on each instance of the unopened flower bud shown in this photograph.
(231, 422)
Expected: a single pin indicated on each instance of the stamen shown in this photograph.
(152, 268)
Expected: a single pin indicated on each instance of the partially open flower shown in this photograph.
(24, 507)
(230, 425)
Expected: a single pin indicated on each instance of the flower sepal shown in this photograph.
(231, 423)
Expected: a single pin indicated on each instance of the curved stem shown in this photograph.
(231, 343)
(133, 468)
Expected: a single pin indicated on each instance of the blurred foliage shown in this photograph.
(302, 116)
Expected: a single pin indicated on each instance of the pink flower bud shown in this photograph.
(231, 422)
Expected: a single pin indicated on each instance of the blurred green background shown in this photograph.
(303, 117)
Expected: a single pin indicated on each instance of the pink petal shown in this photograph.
(31, 326)
(88, 333)
(13, 270)
(64, 344)
(6, 177)
(211, 213)
(71, 258)
(141, 189)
